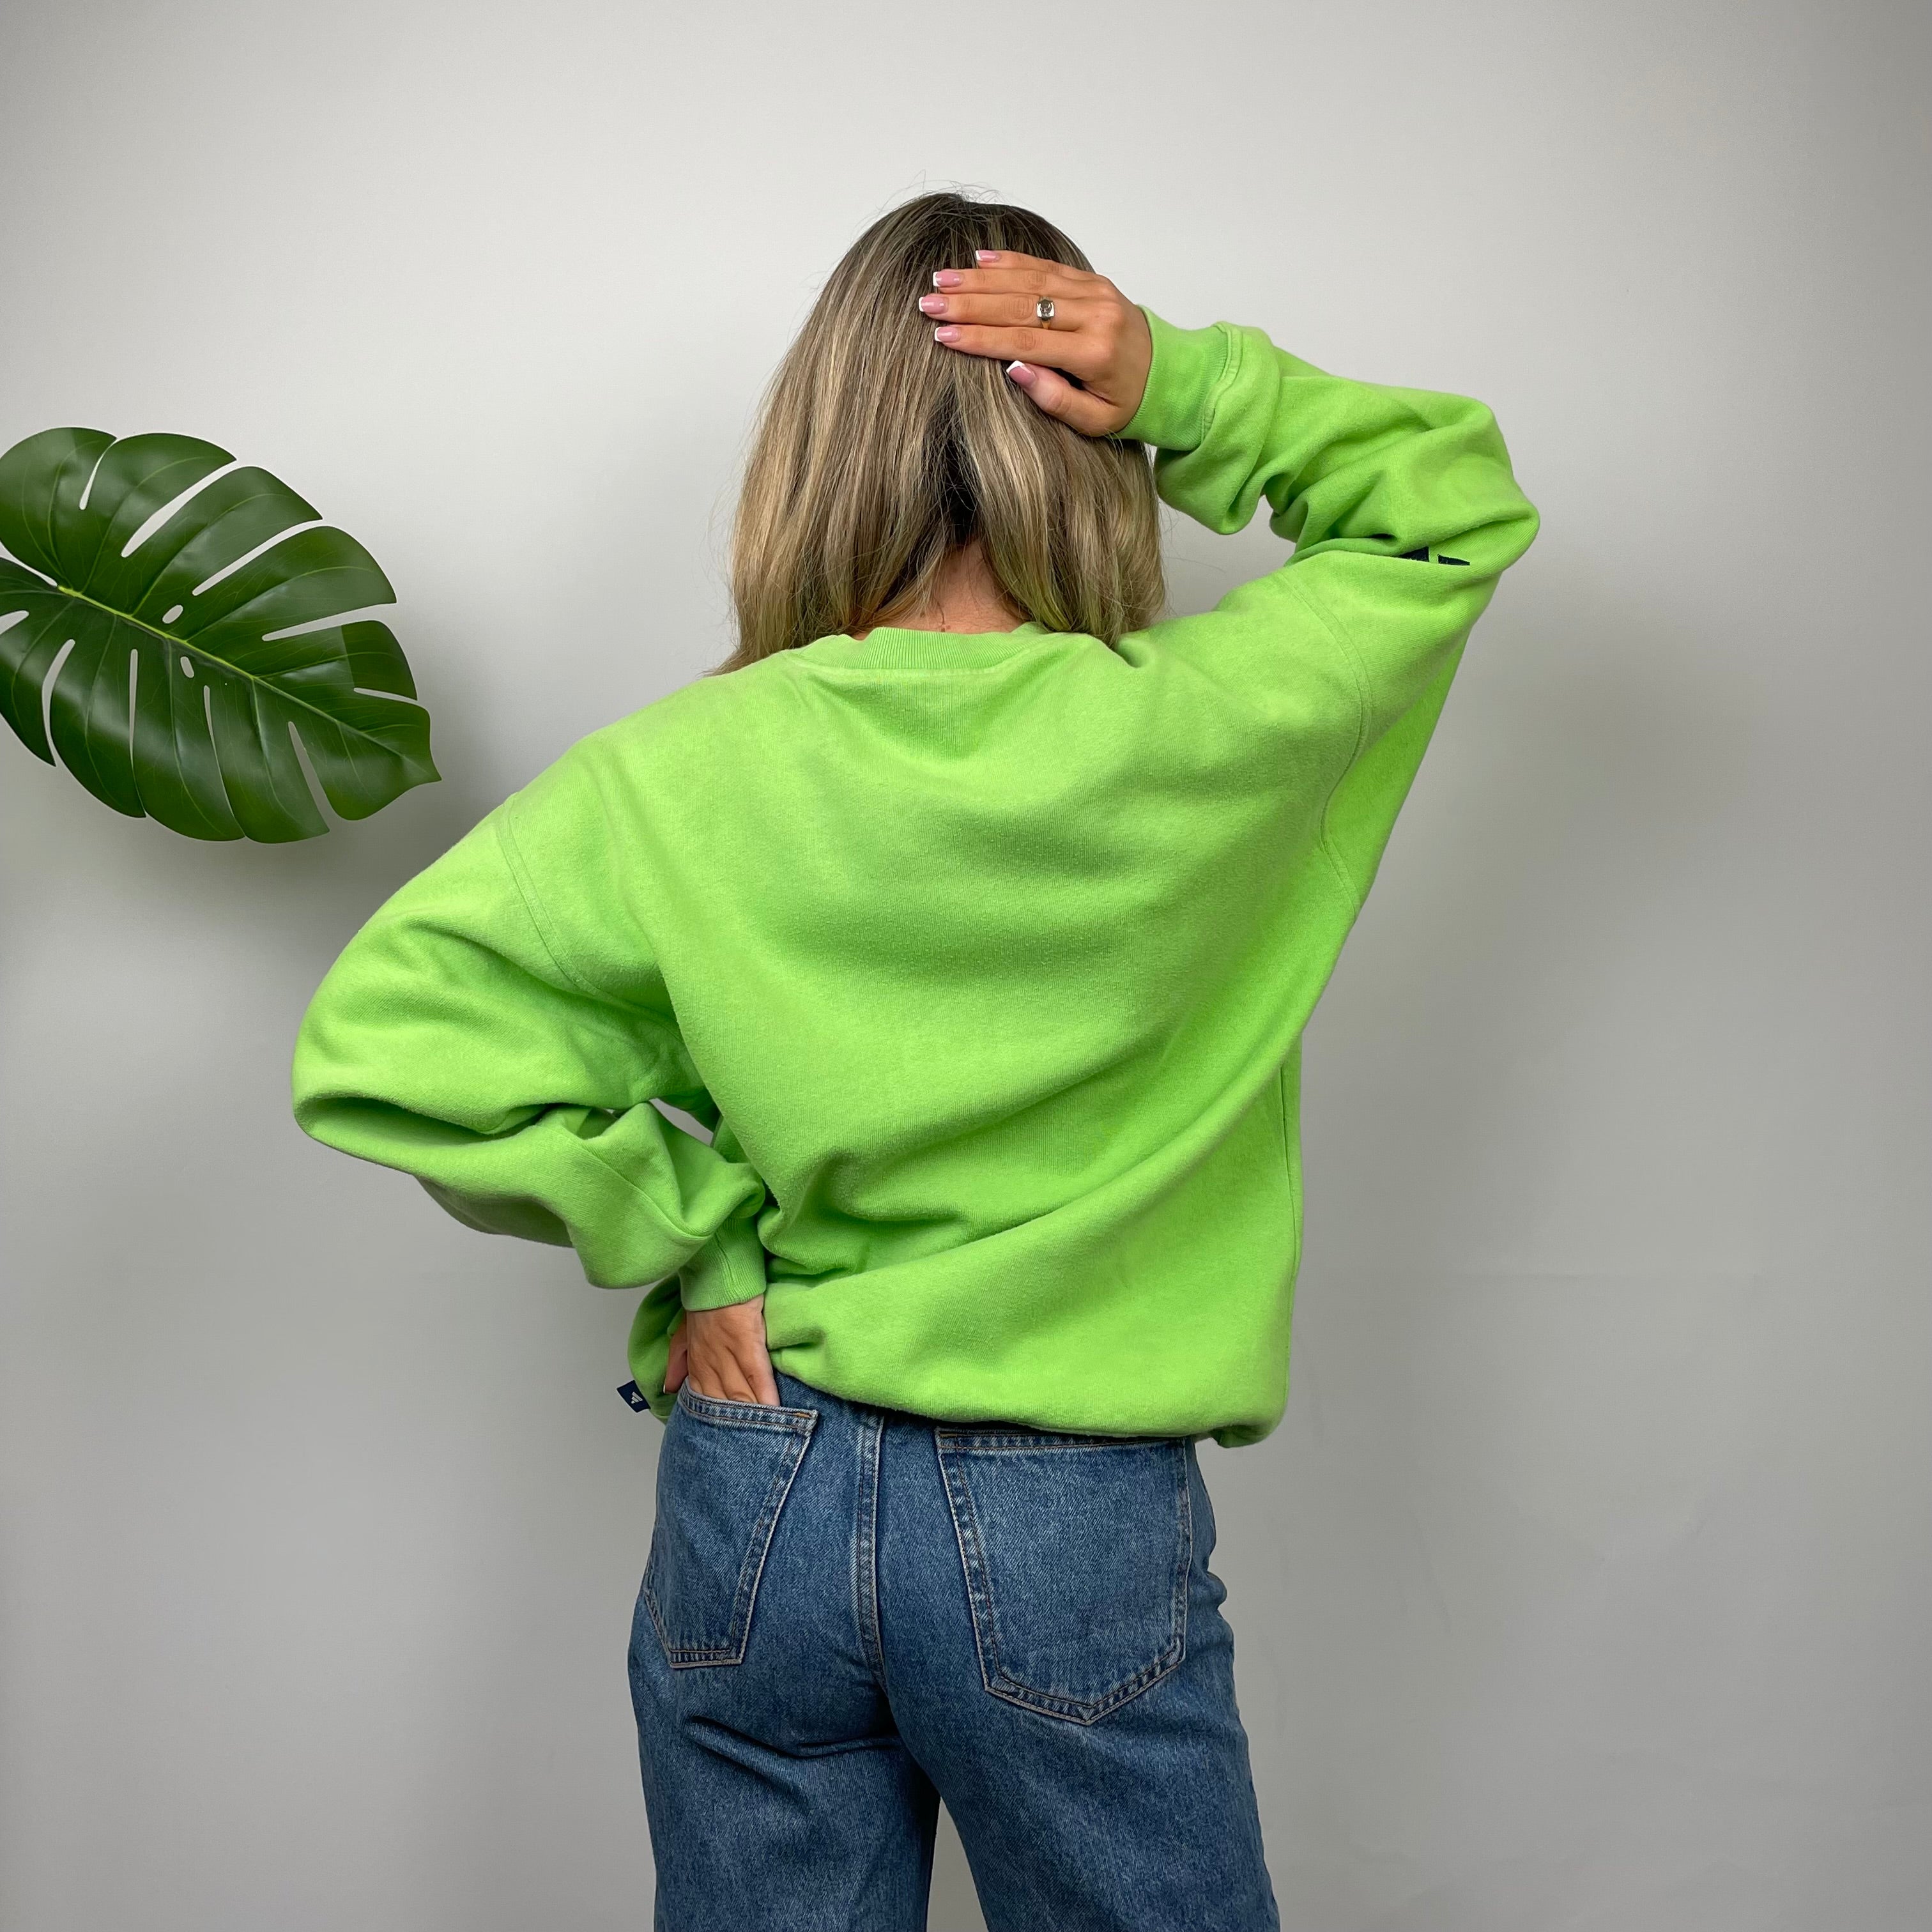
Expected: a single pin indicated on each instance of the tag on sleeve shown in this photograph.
(635, 1396)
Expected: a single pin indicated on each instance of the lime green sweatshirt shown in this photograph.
(986, 959)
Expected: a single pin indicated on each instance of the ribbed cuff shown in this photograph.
(1187, 365)
(730, 1267)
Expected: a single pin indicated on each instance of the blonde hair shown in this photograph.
(878, 453)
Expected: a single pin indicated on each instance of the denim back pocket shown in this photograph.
(724, 1469)
(1076, 1550)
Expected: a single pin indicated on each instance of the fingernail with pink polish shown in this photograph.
(949, 334)
(933, 304)
(946, 278)
(986, 254)
(1020, 372)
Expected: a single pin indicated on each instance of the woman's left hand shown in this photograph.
(1095, 335)
(722, 1352)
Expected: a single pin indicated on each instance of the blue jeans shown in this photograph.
(849, 1614)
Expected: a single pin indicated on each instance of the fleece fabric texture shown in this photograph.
(986, 959)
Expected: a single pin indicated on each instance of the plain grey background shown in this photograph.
(1586, 1585)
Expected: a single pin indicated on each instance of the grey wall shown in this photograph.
(1586, 1584)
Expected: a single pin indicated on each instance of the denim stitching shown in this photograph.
(747, 1414)
(979, 1436)
(732, 1651)
(1184, 1559)
(865, 1543)
(685, 1657)
(972, 1561)
(978, 1588)
(1027, 1445)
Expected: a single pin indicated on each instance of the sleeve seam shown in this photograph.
(732, 1273)
(533, 905)
(676, 1230)
(1230, 368)
(555, 950)
(724, 1250)
(1358, 677)
(666, 1225)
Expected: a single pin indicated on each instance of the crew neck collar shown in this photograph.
(887, 647)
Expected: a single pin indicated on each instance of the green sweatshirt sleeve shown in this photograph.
(454, 1040)
(1403, 511)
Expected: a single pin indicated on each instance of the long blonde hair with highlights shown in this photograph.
(878, 453)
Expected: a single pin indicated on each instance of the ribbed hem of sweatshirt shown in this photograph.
(729, 1268)
(1188, 366)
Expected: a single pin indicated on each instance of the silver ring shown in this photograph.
(1043, 310)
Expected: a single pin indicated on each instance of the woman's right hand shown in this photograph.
(1096, 335)
(720, 1352)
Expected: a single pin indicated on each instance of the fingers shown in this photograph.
(764, 1383)
(1059, 348)
(728, 1360)
(1054, 395)
(674, 1363)
(722, 1377)
(1005, 311)
(1096, 335)
(1007, 271)
(993, 310)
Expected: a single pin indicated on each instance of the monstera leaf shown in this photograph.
(172, 659)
